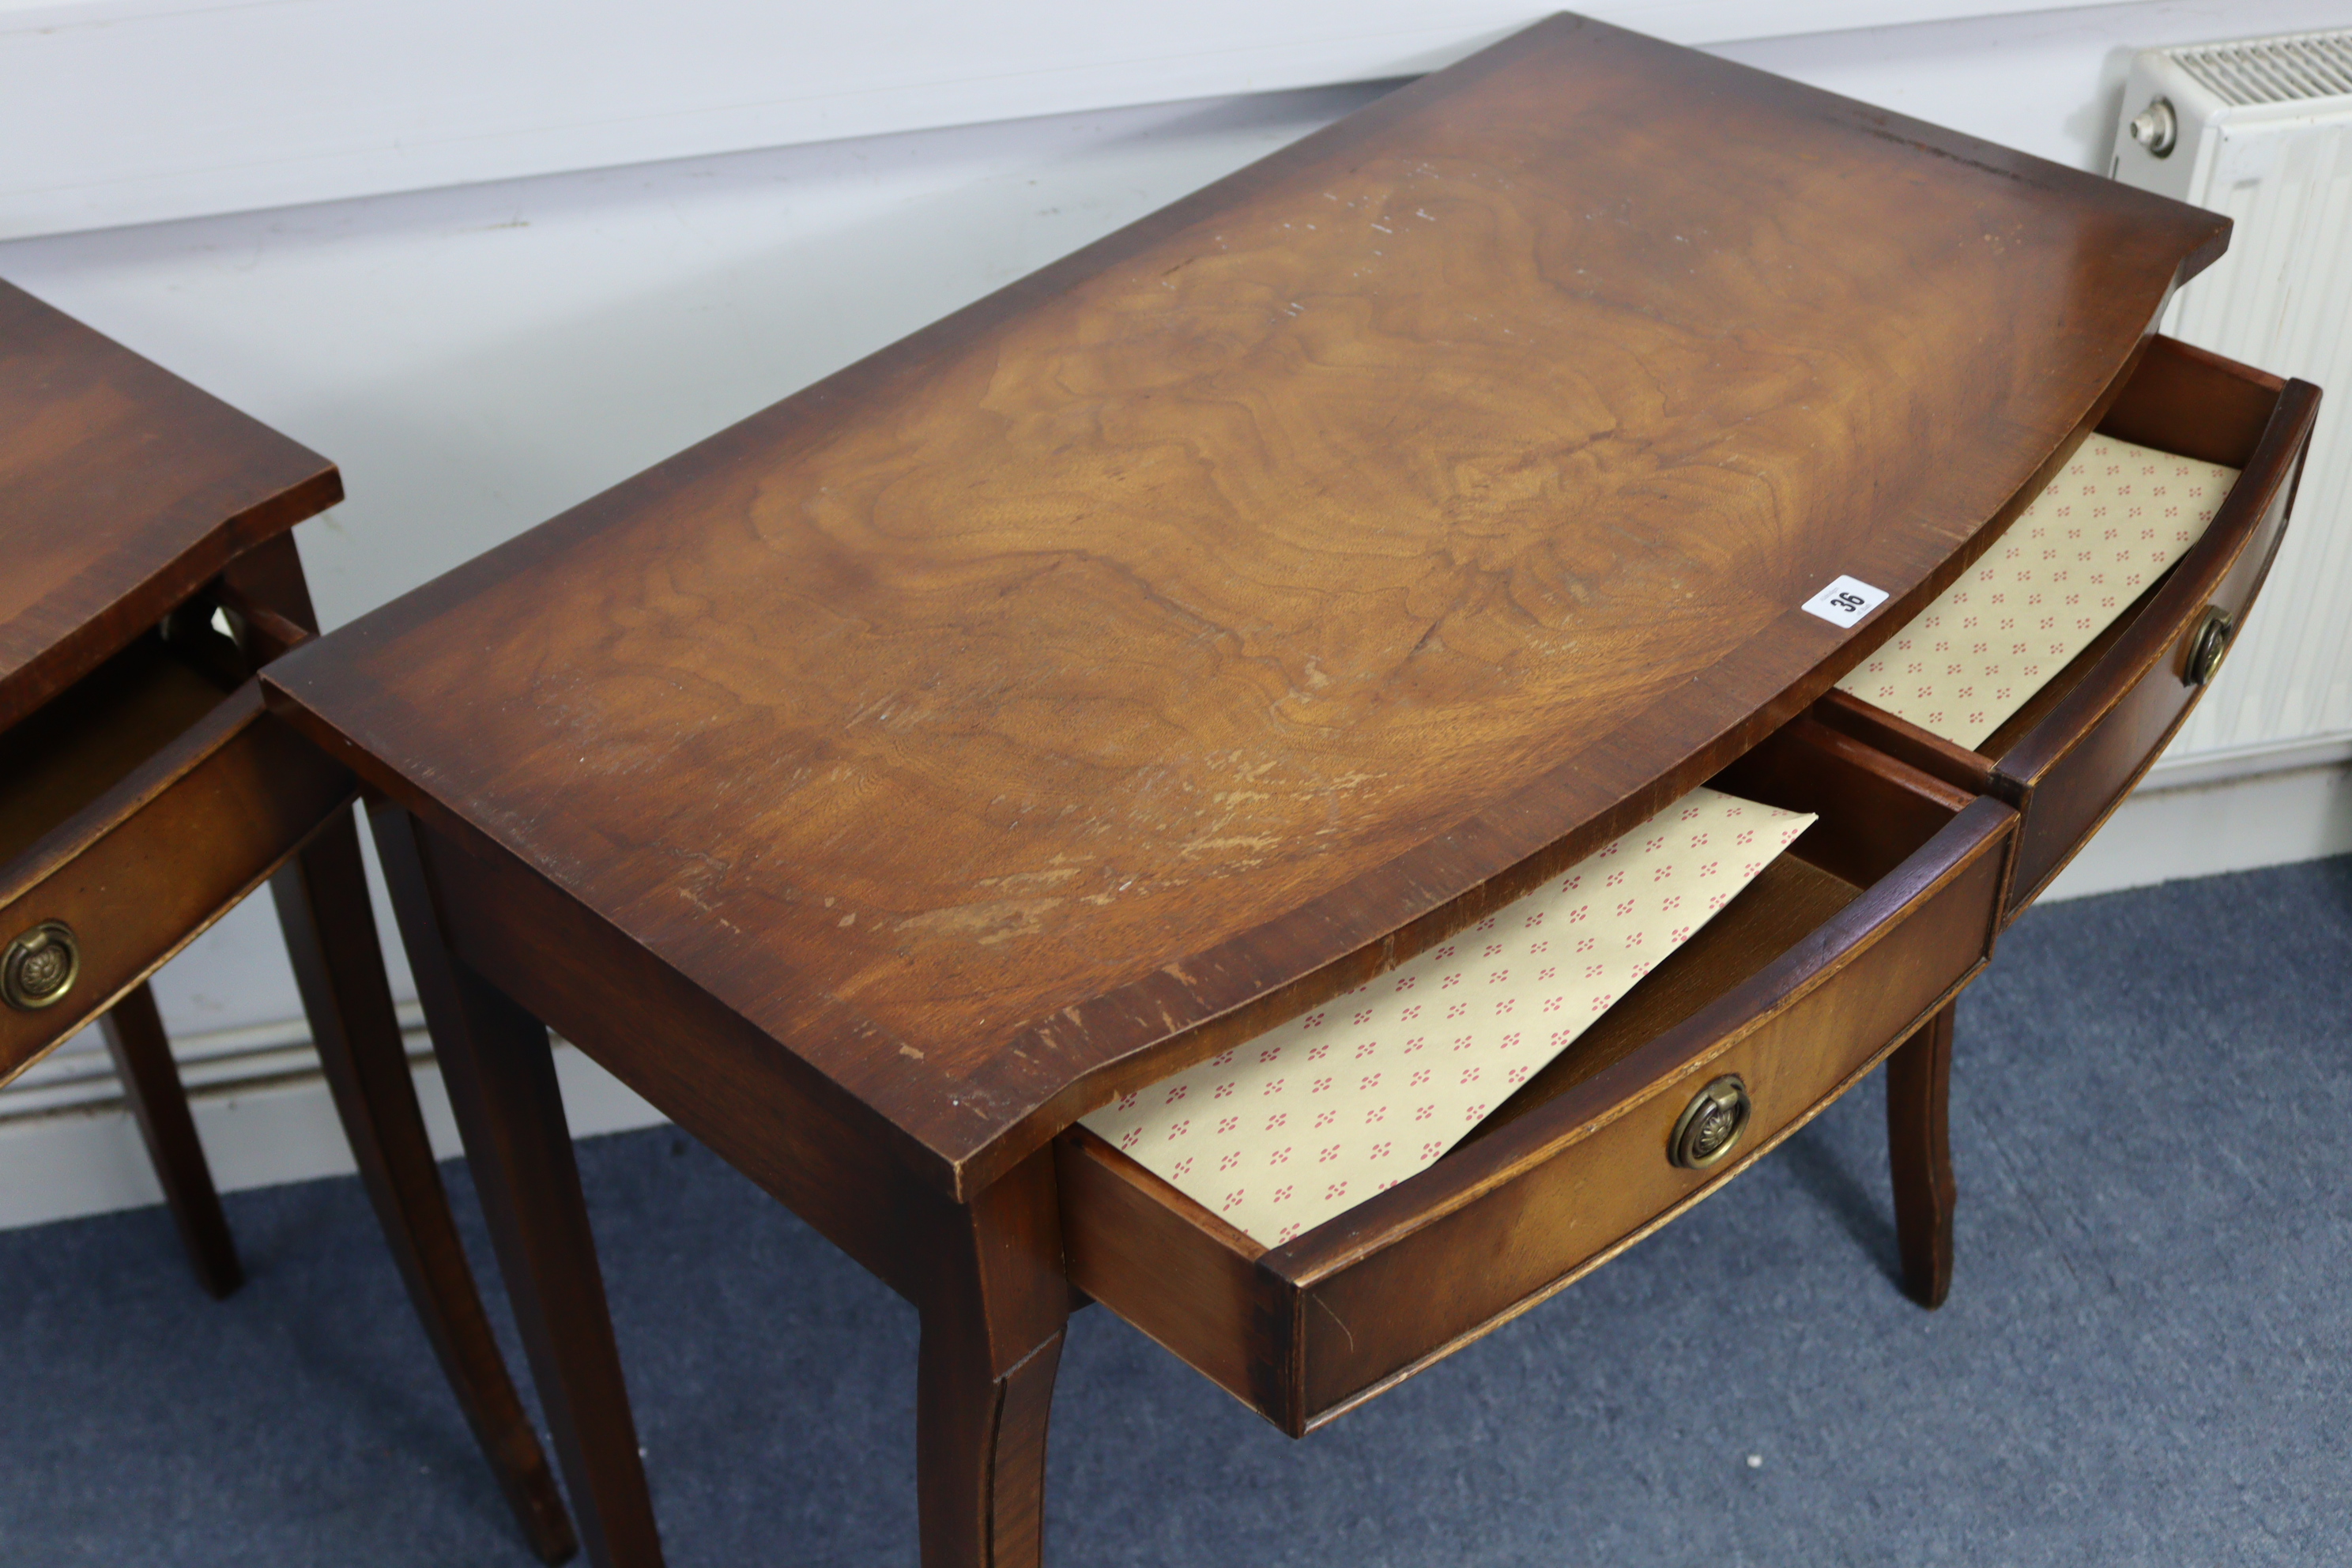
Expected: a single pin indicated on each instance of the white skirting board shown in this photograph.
(82, 1159)
(89, 1160)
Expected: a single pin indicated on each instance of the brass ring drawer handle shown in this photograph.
(1711, 1125)
(40, 966)
(2207, 644)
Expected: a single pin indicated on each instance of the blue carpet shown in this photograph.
(2143, 1360)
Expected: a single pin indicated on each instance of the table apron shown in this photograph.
(714, 1074)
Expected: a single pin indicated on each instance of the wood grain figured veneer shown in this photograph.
(1419, 507)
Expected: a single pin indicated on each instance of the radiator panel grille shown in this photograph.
(2280, 299)
(2292, 69)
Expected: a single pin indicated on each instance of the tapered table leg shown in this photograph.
(1918, 1139)
(494, 1057)
(993, 1323)
(322, 905)
(142, 1060)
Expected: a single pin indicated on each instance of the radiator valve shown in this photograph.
(2156, 128)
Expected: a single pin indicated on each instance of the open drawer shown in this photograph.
(1829, 959)
(136, 807)
(2069, 755)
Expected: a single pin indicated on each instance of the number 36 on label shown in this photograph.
(1845, 600)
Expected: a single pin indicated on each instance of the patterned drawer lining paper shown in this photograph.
(1313, 1117)
(2082, 553)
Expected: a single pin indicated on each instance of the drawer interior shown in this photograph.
(1873, 813)
(2178, 400)
(91, 736)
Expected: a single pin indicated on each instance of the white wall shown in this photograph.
(137, 111)
(479, 358)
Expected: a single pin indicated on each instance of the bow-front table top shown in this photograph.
(1129, 659)
(122, 488)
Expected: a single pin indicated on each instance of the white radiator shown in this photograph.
(2261, 129)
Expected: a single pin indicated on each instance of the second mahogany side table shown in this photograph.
(144, 792)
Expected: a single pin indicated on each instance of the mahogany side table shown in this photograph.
(1207, 623)
(144, 792)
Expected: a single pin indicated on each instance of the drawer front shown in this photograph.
(1577, 1165)
(1381, 1316)
(2073, 770)
(159, 858)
